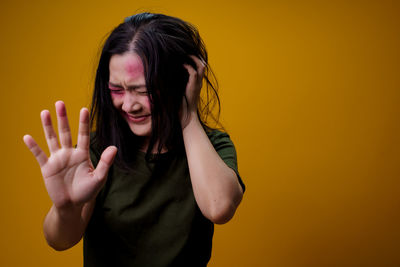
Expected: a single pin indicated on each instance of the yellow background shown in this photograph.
(310, 95)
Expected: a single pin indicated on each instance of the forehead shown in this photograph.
(128, 65)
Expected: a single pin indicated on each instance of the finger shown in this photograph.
(192, 75)
(83, 132)
(105, 162)
(63, 125)
(35, 149)
(200, 65)
(50, 134)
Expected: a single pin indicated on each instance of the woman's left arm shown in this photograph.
(216, 186)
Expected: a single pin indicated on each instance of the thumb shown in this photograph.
(106, 159)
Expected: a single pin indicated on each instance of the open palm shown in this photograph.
(68, 173)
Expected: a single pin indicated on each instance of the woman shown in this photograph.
(162, 176)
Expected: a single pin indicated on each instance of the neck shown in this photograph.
(145, 145)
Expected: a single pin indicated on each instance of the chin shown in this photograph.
(140, 132)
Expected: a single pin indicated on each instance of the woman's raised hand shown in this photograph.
(68, 173)
(193, 88)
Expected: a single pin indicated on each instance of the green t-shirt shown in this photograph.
(149, 216)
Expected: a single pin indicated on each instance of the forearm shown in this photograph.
(64, 228)
(215, 185)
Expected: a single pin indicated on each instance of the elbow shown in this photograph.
(58, 248)
(221, 217)
(224, 212)
(59, 245)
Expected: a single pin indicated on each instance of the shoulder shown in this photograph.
(218, 137)
(226, 150)
(223, 144)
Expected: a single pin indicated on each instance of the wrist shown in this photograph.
(67, 211)
(192, 119)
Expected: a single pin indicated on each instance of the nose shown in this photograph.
(131, 103)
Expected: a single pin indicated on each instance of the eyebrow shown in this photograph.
(131, 87)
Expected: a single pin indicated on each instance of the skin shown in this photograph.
(215, 185)
(73, 183)
(129, 94)
(69, 176)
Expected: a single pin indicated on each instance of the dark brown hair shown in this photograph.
(164, 44)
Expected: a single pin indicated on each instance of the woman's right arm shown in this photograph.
(63, 228)
(69, 176)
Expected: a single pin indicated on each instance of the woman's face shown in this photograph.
(128, 91)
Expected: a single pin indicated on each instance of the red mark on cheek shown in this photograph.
(134, 68)
(116, 94)
(115, 91)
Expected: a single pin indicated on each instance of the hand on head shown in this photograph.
(193, 89)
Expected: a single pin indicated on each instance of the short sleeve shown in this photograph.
(226, 150)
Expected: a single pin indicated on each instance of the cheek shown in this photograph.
(146, 103)
(117, 100)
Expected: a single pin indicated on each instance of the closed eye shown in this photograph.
(116, 90)
(142, 91)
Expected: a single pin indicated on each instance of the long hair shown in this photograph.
(164, 44)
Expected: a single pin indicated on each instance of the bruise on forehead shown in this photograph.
(134, 67)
